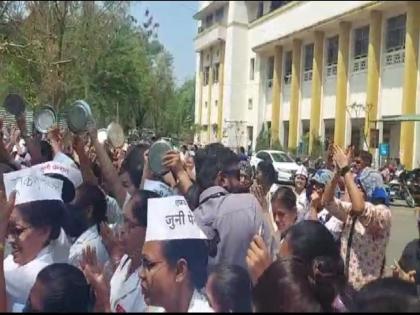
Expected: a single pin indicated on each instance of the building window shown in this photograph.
(216, 73)
(395, 35)
(361, 42)
(332, 50)
(309, 55)
(205, 104)
(219, 14)
(209, 20)
(215, 103)
(250, 104)
(277, 4)
(252, 69)
(360, 50)
(270, 70)
(260, 10)
(288, 68)
(332, 56)
(206, 75)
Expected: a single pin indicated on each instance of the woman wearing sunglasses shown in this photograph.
(31, 228)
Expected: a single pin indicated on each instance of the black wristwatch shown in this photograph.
(344, 170)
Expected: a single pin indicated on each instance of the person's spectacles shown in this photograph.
(15, 231)
(149, 265)
(236, 173)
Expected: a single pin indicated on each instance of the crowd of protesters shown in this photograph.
(81, 231)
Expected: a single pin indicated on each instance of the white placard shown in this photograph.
(10, 179)
(160, 188)
(170, 218)
(32, 186)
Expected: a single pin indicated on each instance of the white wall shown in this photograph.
(329, 97)
(197, 88)
(305, 14)
(305, 104)
(214, 98)
(285, 103)
(391, 90)
(204, 114)
(236, 75)
(357, 92)
(203, 4)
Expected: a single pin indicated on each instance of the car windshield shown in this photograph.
(281, 157)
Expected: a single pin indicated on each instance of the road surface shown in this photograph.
(403, 230)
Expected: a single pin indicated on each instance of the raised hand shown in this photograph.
(6, 208)
(112, 242)
(78, 144)
(21, 123)
(340, 157)
(172, 160)
(316, 201)
(258, 192)
(95, 276)
(92, 131)
(257, 259)
(15, 134)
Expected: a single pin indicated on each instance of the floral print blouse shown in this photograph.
(370, 238)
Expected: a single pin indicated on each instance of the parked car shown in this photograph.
(284, 165)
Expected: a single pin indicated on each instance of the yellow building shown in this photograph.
(323, 70)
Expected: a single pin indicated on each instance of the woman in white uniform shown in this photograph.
(301, 181)
(32, 226)
(90, 206)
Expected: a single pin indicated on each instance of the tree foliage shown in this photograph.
(55, 52)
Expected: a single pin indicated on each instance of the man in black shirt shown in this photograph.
(408, 267)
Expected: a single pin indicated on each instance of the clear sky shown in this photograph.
(177, 29)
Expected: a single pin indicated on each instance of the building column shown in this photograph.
(373, 72)
(410, 82)
(209, 128)
(221, 83)
(277, 82)
(294, 99)
(342, 76)
(317, 67)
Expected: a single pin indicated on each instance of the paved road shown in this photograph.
(403, 230)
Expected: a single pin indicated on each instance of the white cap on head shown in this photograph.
(302, 171)
(31, 185)
(68, 170)
(170, 218)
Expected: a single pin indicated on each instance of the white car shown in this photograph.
(284, 165)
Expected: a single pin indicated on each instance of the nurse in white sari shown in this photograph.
(90, 205)
(32, 227)
(124, 288)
